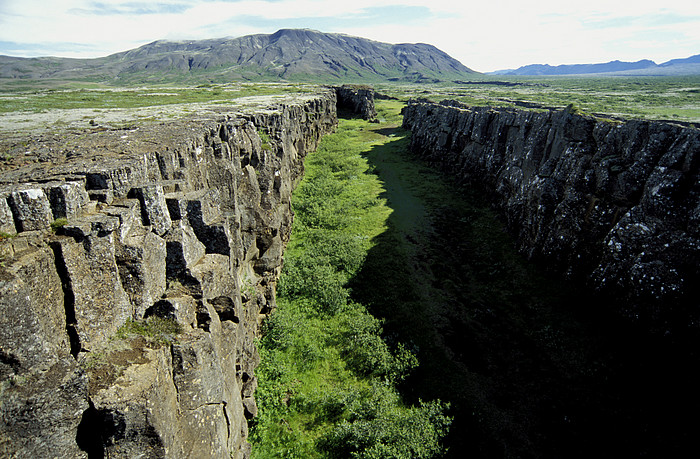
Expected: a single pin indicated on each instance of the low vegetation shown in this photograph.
(156, 329)
(28, 98)
(59, 223)
(264, 139)
(128, 346)
(659, 98)
(328, 376)
(668, 98)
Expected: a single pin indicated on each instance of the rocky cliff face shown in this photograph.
(129, 330)
(357, 99)
(616, 204)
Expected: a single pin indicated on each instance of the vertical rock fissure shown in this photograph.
(228, 421)
(68, 299)
(169, 232)
(90, 436)
(176, 361)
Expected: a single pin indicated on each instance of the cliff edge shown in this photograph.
(135, 269)
(616, 204)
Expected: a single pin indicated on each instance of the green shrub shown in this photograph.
(264, 139)
(377, 425)
(59, 223)
(318, 282)
(366, 352)
(326, 381)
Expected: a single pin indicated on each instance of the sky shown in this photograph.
(484, 35)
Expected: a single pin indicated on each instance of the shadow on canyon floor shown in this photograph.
(532, 366)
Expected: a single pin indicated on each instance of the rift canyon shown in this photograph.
(539, 265)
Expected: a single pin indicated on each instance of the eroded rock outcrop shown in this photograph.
(357, 99)
(616, 204)
(184, 221)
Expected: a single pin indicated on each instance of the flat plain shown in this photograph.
(49, 103)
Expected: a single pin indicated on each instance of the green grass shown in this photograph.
(377, 232)
(26, 99)
(668, 98)
(496, 337)
(390, 279)
(59, 223)
(328, 377)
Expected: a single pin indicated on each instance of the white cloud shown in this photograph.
(485, 36)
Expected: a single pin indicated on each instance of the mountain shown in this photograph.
(688, 66)
(688, 60)
(289, 54)
(579, 69)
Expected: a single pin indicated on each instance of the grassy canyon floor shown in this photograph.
(531, 366)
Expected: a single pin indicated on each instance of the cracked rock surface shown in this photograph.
(170, 221)
(614, 204)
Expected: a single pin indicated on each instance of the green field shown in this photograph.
(657, 98)
(23, 98)
(660, 98)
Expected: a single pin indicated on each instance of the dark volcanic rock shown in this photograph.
(357, 99)
(616, 204)
(31, 209)
(41, 412)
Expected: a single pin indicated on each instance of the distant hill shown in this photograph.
(289, 54)
(689, 60)
(688, 66)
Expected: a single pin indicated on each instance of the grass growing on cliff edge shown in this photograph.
(654, 98)
(327, 379)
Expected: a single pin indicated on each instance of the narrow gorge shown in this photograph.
(590, 349)
(138, 264)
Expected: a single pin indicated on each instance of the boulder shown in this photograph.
(31, 209)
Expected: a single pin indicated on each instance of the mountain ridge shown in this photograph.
(289, 54)
(685, 66)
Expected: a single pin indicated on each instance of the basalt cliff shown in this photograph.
(137, 264)
(136, 268)
(613, 204)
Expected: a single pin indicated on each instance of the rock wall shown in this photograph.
(616, 204)
(183, 221)
(357, 99)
